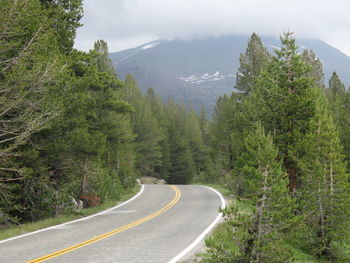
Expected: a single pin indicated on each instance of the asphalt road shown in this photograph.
(161, 224)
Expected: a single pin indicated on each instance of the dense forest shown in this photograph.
(71, 129)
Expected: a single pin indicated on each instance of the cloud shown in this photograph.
(124, 22)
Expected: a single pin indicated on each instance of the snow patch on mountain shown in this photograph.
(150, 45)
(206, 77)
(189, 79)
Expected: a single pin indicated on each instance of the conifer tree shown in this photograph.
(339, 101)
(66, 15)
(148, 142)
(260, 237)
(230, 117)
(325, 188)
(338, 98)
(251, 64)
(31, 73)
(104, 63)
(182, 168)
(288, 104)
(221, 129)
(194, 137)
(204, 126)
(316, 69)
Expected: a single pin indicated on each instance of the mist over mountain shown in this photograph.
(198, 71)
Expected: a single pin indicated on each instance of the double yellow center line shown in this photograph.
(116, 231)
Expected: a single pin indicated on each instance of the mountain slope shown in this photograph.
(198, 71)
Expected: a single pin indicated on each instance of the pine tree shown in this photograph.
(230, 117)
(221, 129)
(104, 63)
(194, 137)
(337, 96)
(166, 161)
(316, 69)
(148, 142)
(260, 236)
(66, 15)
(182, 168)
(204, 126)
(251, 64)
(32, 72)
(325, 189)
(286, 93)
(339, 100)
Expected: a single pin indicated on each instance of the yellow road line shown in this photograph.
(116, 231)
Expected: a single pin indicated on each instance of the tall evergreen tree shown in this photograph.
(182, 168)
(66, 15)
(251, 64)
(221, 129)
(260, 237)
(289, 104)
(339, 100)
(230, 117)
(149, 137)
(316, 69)
(204, 126)
(104, 62)
(325, 188)
(194, 137)
(337, 95)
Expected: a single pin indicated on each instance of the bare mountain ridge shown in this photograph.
(198, 71)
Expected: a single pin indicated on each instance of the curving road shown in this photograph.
(160, 224)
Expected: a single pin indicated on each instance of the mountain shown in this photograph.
(198, 71)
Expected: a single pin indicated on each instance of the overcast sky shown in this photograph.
(129, 23)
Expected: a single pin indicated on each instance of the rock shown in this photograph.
(151, 180)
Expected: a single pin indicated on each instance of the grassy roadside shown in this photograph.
(29, 227)
(222, 230)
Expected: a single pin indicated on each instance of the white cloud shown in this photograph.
(125, 23)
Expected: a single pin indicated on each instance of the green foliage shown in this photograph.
(339, 100)
(104, 64)
(324, 192)
(221, 130)
(231, 116)
(316, 69)
(301, 197)
(169, 141)
(251, 64)
(182, 167)
(31, 69)
(66, 129)
(288, 104)
(261, 235)
(16, 230)
(65, 15)
(70, 128)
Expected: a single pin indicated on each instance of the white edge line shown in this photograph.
(77, 220)
(206, 231)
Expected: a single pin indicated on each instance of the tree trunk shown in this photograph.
(85, 175)
(292, 175)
